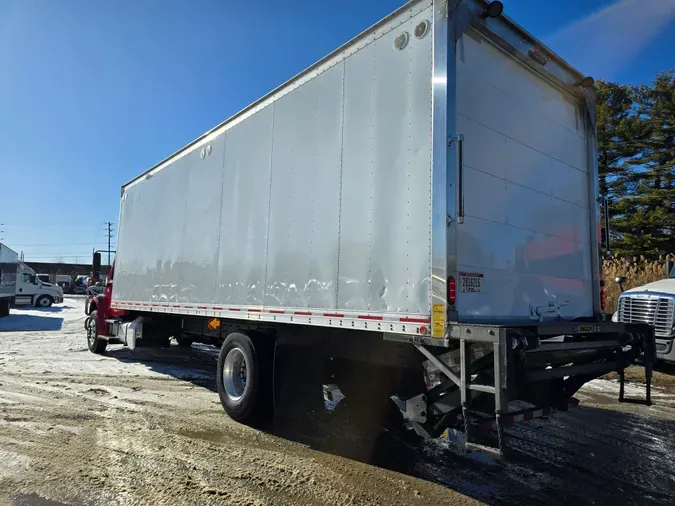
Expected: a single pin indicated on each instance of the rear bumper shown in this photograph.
(665, 350)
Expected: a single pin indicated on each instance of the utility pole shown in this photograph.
(109, 238)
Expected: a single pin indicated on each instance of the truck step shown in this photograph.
(530, 414)
(488, 450)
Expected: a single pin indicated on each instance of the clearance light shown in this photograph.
(214, 324)
(452, 290)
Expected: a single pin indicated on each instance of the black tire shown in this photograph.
(44, 301)
(249, 400)
(95, 344)
(183, 341)
(4, 308)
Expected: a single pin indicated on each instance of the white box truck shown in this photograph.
(9, 260)
(415, 214)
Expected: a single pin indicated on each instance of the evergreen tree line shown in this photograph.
(636, 161)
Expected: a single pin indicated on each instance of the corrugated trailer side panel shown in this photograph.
(318, 199)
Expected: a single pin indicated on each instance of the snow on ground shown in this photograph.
(36, 340)
(631, 390)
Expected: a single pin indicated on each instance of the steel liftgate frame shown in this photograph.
(503, 343)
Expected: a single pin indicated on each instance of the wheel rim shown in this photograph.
(91, 332)
(44, 302)
(234, 374)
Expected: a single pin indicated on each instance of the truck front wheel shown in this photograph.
(244, 378)
(44, 301)
(94, 343)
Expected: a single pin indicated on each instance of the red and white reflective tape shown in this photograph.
(417, 324)
(526, 415)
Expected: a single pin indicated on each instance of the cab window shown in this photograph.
(29, 278)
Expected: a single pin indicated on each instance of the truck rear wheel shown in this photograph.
(94, 344)
(244, 378)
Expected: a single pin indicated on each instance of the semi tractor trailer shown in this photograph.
(416, 215)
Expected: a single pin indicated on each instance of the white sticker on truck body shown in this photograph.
(470, 281)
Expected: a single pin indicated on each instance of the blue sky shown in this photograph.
(93, 93)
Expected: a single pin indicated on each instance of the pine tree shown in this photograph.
(616, 129)
(613, 118)
(645, 218)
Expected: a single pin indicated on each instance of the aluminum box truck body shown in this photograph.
(9, 261)
(422, 199)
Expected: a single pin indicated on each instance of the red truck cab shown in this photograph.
(98, 308)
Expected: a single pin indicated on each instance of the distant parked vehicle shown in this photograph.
(78, 289)
(24, 285)
(653, 303)
(65, 282)
(32, 291)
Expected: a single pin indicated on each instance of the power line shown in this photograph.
(61, 225)
(57, 254)
(55, 244)
(31, 258)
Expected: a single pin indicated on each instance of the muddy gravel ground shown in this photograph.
(146, 427)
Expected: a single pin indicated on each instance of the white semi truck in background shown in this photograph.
(415, 214)
(653, 303)
(21, 285)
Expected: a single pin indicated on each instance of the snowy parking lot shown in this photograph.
(145, 427)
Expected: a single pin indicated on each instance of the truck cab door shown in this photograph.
(26, 288)
(28, 284)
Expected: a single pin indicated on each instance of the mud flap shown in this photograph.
(298, 376)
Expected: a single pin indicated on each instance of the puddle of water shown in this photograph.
(34, 500)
